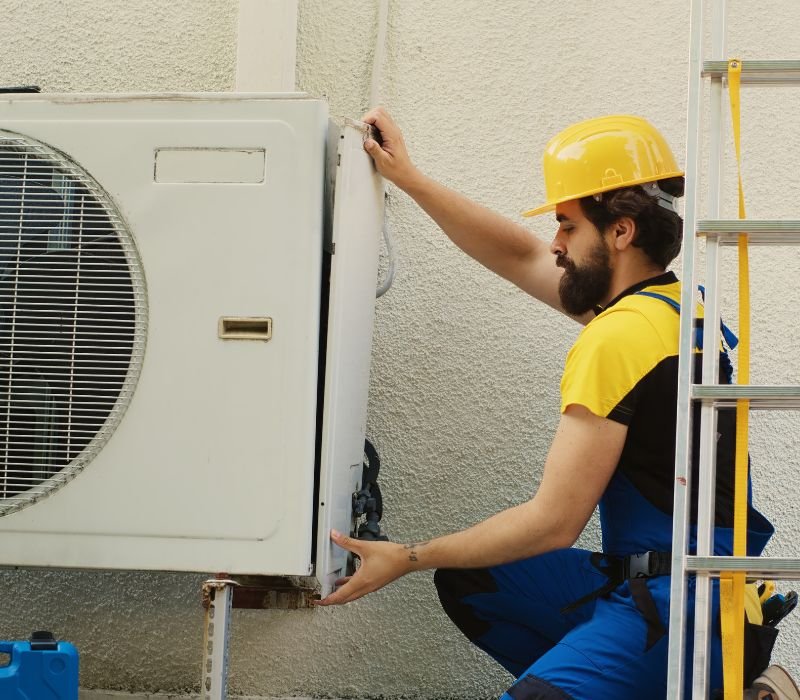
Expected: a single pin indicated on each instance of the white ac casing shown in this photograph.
(214, 464)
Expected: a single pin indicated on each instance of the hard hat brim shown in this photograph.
(549, 206)
(540, 210)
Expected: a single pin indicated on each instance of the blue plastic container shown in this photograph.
(41, 669)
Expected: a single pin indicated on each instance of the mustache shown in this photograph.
(564, 262)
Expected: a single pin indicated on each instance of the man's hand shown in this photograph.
(381, 563)
(391, 155)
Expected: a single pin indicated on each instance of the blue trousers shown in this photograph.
(612, 648)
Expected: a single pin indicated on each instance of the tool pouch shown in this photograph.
(759, 641)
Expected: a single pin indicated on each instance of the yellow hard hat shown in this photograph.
(603, 154)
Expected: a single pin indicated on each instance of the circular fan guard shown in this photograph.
(72, 319)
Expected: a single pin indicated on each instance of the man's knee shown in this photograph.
(533, 688)
(454, 586)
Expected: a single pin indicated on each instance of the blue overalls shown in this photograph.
(614, 645)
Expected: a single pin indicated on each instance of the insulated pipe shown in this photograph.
(379, 56)
(378, 59)
(266, 46)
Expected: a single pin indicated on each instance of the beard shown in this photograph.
(582, 288)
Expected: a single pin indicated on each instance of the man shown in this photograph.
(570, 624)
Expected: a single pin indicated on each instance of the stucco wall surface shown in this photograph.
(464, 393)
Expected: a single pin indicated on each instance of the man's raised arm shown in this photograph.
(501, 245)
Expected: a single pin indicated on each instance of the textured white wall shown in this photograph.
(465, 368)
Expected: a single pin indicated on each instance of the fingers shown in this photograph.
(389, 131)
(379, 118)
(344, 592)
(348, 543)
(380, 156)
(349, 592)
(372, 116)
(381, 563)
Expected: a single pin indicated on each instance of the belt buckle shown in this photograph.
(639, 565)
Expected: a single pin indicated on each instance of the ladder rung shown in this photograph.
(755, 567)
(757, 72)
(760, 232)
(761, 397)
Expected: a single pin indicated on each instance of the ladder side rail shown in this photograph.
(683, 447)
(705, 543)
(706, 486)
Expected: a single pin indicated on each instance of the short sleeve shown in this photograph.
(605, 368)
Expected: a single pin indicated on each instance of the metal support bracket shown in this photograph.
(217, 600)
(221, 595)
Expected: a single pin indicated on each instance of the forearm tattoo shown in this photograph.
(412, 547)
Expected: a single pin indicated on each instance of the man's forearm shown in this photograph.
(490, 238)
(510, 535)
(499, 244)
(584, 455)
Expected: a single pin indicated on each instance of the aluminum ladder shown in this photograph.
(710, 393)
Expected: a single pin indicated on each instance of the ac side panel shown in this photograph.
(357, 223)
(212, 466)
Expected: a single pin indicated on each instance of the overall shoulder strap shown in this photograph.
(727, 334)
(674, 304)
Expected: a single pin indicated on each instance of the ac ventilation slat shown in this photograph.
(49, 448)
(27, 480)
(86, 403)
(79, 305)
(86, 322)
(74, 408)
(87, 352)
(68, 327)
(34, 185)
(88, 398)
(76, 431)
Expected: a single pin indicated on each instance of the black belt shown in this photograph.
(634, 568)
(620, 569)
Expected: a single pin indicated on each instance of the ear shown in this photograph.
(623, 232)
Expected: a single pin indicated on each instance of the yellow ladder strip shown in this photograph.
(732, 584)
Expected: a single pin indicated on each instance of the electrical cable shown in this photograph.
(391, 271)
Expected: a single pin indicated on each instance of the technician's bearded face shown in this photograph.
(586, 284)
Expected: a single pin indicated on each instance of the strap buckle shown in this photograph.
(638, 565)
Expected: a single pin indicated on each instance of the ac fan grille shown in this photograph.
(72, 319)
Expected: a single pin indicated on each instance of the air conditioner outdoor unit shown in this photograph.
(166, 286)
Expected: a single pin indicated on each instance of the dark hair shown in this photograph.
(658, 230)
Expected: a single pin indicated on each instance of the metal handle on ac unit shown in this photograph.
(245, 328)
